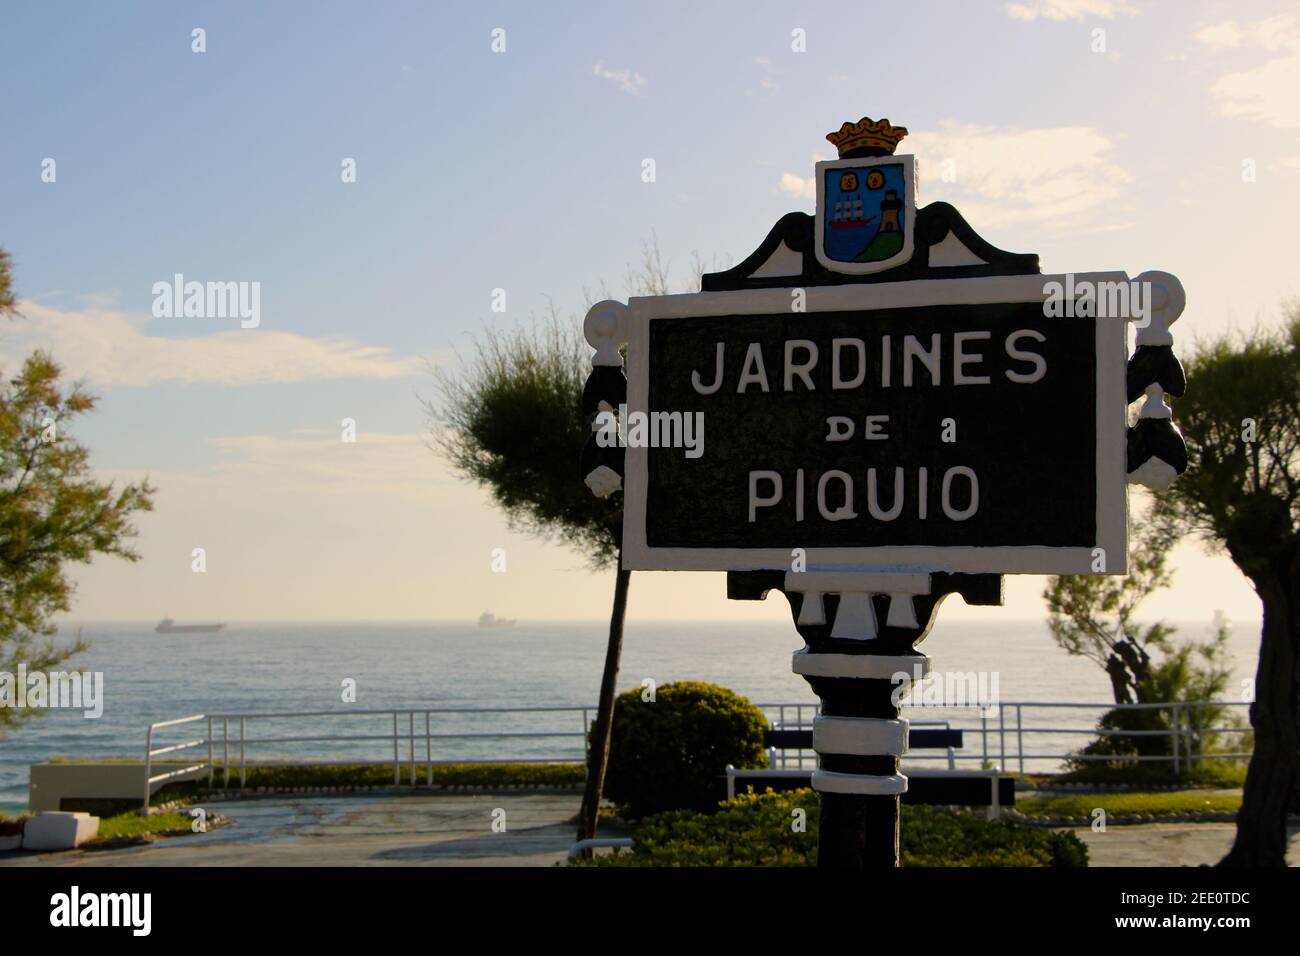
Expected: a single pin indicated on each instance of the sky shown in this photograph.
(500, 148)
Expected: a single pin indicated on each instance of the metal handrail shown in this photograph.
(353, 712)
(150, 753)
(405, 735)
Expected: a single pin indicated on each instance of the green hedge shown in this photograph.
(1208, 773)
(757, 830)
(484, 775)
(669, 753)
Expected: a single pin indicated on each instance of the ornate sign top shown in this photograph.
(881, 388)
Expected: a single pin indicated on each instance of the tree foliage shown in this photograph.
(53, 511)
(1241, 420)
(511, 421)
(8, 306)
(1187, 672)
(670, 751)
(1094, 615)
(509, 418)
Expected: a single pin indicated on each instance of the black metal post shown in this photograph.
(859, 736)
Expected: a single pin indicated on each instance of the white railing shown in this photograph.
(415, 733)
(150, 752)
(1002, 732)
(1184, 734)
(406, 733)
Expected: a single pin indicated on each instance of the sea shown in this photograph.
(485, 679)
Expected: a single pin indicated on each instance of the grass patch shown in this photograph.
(135, 824)
(1119, 804)
(756, 830)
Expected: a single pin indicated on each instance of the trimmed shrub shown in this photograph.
(758, 830)
(669, 753)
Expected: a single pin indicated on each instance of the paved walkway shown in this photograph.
(456, 829)
(1169, 844)
(446, 829)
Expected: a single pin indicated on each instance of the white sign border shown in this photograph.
(1110, 425)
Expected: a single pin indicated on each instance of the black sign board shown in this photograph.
(881, 426)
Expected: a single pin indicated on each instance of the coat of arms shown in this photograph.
(865, 200)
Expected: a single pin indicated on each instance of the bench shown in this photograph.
(947, 788)
(939, 738)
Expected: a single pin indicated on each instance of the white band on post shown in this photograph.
(860, 736)
(828, 781)
(872, 666)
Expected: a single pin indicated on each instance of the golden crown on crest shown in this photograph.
(867, 133)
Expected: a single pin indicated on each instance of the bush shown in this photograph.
(1207, 773)
(1192, 672)
(668, 754)
(757, 830)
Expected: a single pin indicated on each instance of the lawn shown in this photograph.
(135, 824)
(1122, 804)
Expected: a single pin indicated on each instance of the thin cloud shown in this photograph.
(998, 176)
(1275, 33)
(1264, 93)
(629, 81)
(112, 348)
(803, 187)
(392, 464)
(1075, 10)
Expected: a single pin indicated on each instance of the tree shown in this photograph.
(511, 422)
(1241, 421)
(1095, 616)
(8, 305)
(52, 510)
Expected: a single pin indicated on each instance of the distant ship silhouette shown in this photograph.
(168, 626)
(488, 619)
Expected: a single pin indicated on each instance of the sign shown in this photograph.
(944, 425)
(874, 410)
(877, 387)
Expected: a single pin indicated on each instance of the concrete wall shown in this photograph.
(54, 784)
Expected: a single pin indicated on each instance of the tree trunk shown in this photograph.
(598, 752)
(1274, 715)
